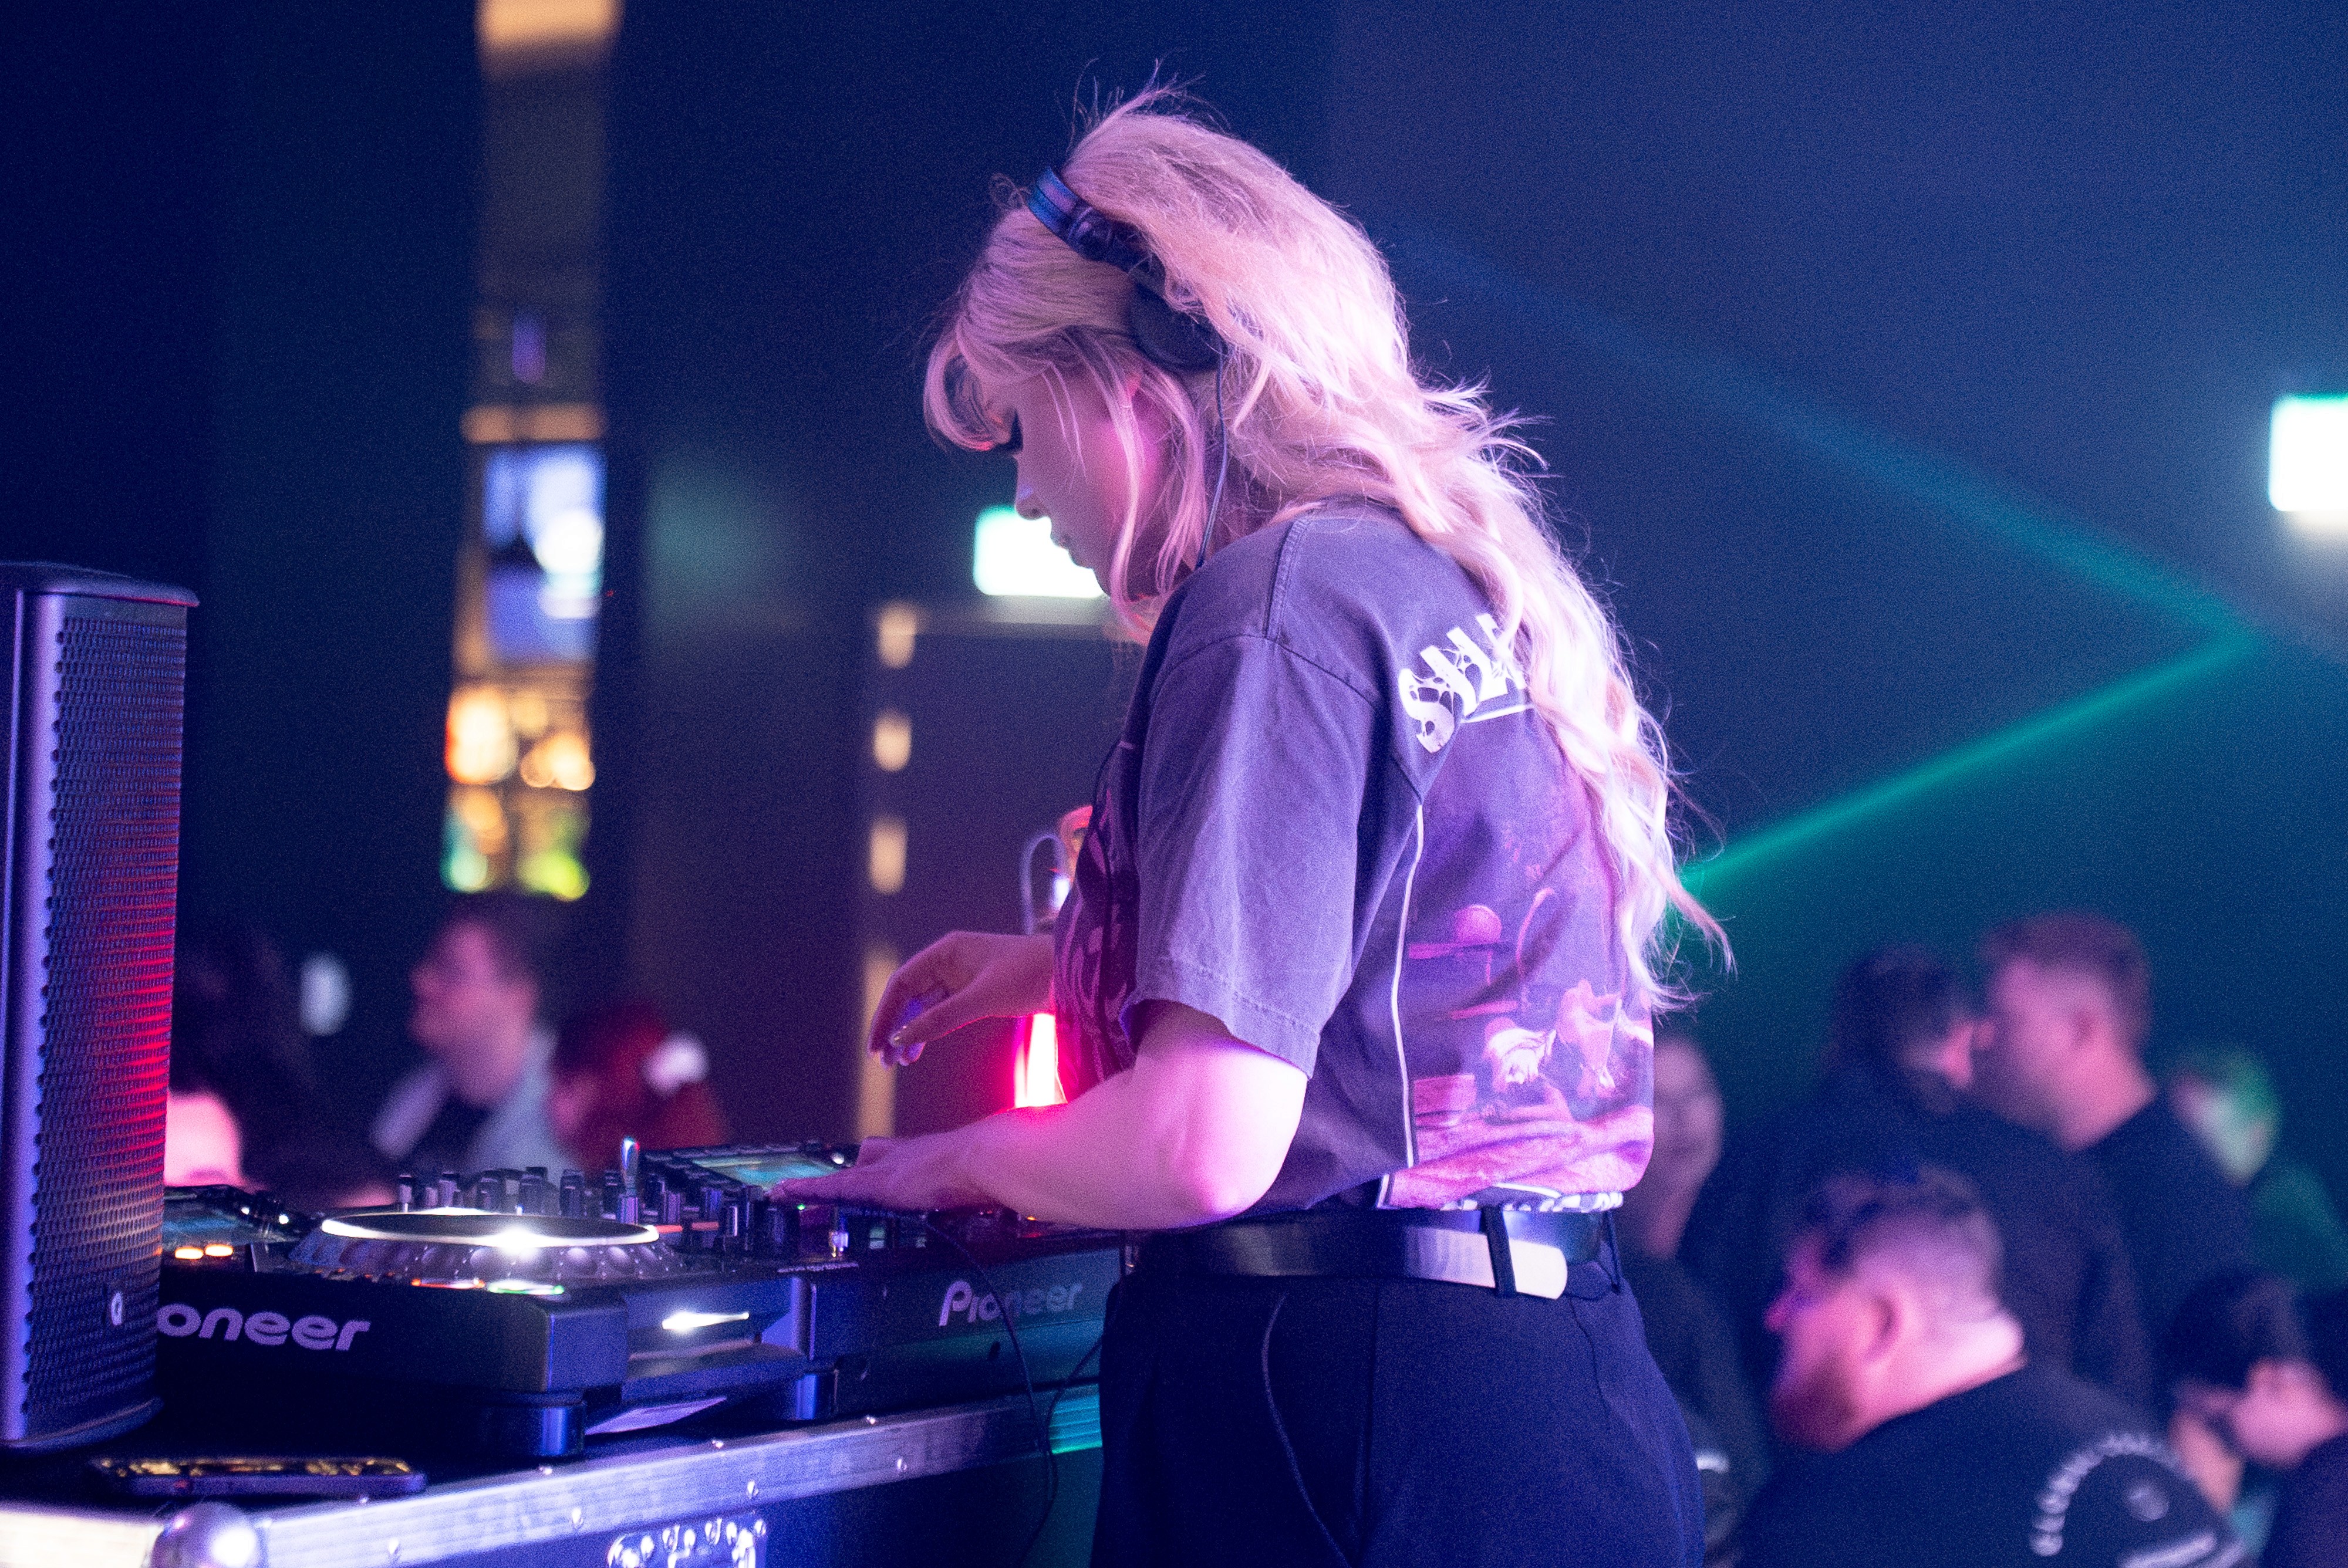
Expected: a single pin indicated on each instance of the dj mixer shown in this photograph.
(514, 1314)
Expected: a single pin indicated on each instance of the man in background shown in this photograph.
(1899, 1058)
(2265, 1371)
(2070, 1006)
(1932, 1439)
(2226, 1099)
(481, 1102)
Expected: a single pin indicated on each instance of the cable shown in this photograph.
(1223, 470)
(1035, 1412)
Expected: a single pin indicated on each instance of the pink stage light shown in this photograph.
(1036, 1067)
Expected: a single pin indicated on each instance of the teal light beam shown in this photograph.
(2082, 713)
(1939, 483)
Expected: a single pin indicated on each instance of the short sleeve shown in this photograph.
(1252, 781)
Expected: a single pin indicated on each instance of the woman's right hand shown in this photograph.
(961, 978)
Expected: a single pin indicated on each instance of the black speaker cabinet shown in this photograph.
(98, 670)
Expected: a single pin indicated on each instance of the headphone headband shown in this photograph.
(1081, 226)
(1173, 340)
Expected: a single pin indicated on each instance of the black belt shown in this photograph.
(1517, 1252)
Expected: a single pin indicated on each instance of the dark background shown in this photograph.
(1903, 376)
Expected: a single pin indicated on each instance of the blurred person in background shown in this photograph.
(2267, 1375)
(1899, 1059)
(202, 1146)
(1691, 1337)
(2070, 1004)
(479, 1104)
(619, 1071)
(1688, 1123)
(246, 1107)
(2226, 1099)
(1931, 1437)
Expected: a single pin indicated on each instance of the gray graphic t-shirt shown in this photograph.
(1335, 824)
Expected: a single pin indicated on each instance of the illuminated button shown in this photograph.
(188, 1253)
(219, 1249)
(686, 1322)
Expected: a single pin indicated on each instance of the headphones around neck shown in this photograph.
(1172, 340)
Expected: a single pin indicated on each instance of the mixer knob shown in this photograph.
(775, 1228)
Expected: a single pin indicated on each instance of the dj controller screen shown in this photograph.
(763, 1168)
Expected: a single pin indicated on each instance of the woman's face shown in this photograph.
(1072, 466)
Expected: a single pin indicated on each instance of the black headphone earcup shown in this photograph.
(1169, 339)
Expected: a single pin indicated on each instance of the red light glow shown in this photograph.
(1035, 1068)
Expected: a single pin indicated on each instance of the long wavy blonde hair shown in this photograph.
(1319, 402)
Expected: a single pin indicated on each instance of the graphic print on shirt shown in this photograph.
(1484, 1046)
(1095, 962)
(1439, 701)
(1527, 1082)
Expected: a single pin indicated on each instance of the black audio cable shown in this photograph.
(1035, 1411)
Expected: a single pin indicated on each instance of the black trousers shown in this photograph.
(1375, 1422)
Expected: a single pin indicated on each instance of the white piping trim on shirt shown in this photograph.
(1481, 715)
(1393, 994)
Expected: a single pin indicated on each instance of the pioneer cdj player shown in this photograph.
(515, 1314)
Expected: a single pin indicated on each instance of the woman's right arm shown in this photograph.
(961, 978)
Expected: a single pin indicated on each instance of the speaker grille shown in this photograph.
(114, 830)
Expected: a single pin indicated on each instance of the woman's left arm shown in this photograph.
(1194, 1132)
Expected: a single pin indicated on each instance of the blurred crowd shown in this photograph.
(502, 1087)
(2003, 1264)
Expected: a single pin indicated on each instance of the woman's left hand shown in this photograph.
(913, 1174)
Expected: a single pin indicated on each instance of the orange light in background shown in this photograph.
(559, 762)
(894, 629)
(1035, 1070)
(892, 741)
(480, 736)
(188, 1253)
(886, 858)
(529, 714)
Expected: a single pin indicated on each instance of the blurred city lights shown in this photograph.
(1015, 556)
(2307, 463)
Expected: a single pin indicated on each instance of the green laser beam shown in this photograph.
(2081, 712)
(1939, 483)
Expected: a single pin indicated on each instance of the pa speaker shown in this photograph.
(98, 673)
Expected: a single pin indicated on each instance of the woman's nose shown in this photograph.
(1027, 505)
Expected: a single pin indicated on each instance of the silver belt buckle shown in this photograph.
(1541, 1268)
